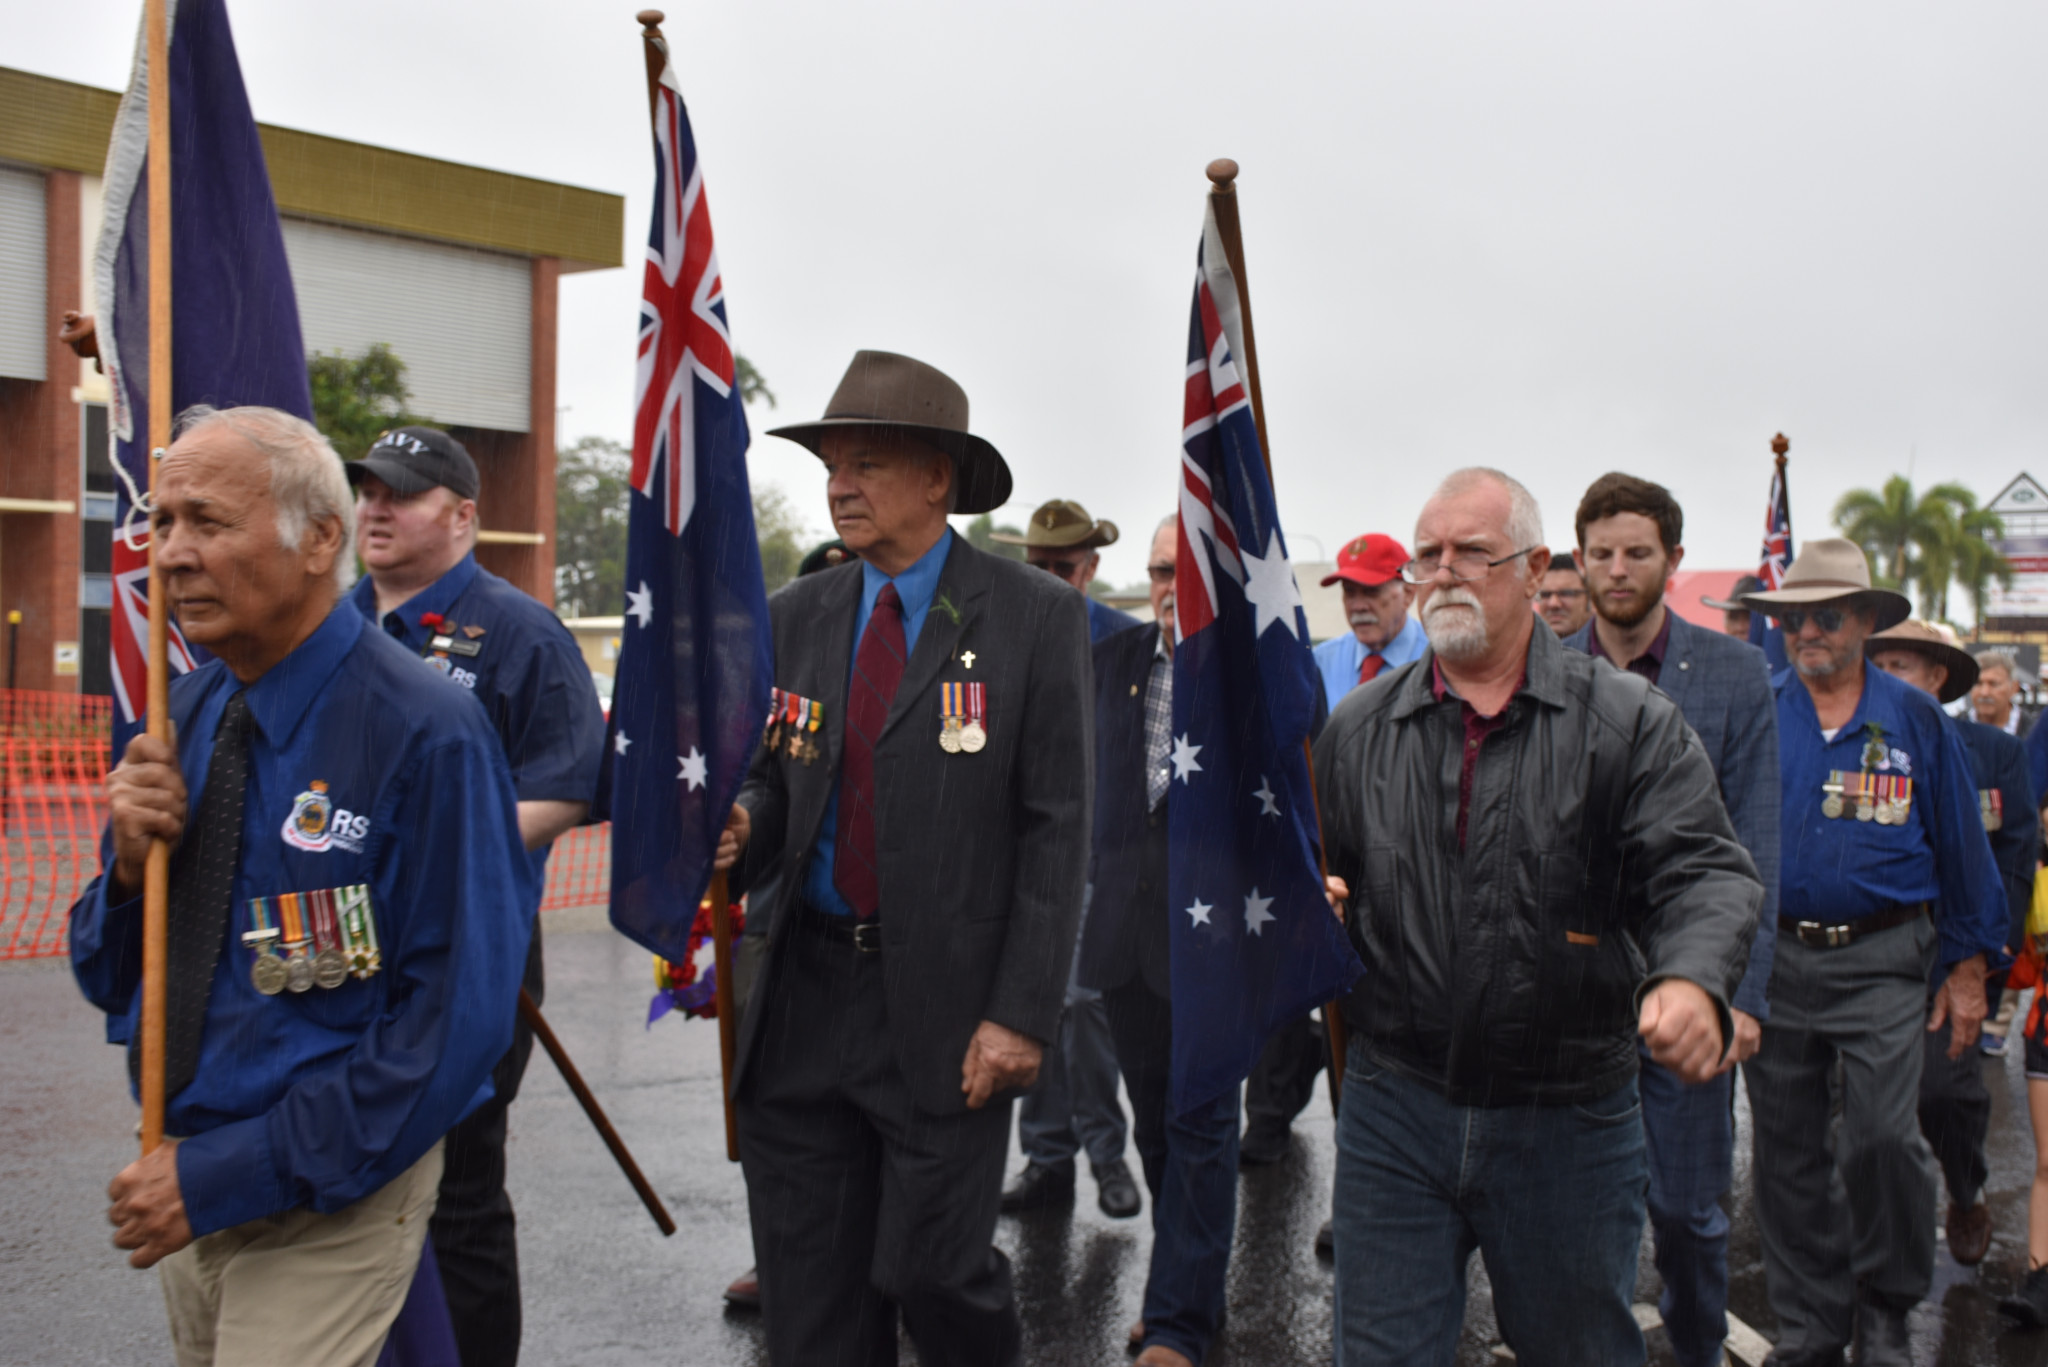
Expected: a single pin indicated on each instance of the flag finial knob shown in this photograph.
(1223, 171)
(650, 18)
(1779, 446)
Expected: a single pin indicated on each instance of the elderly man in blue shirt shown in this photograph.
(1383, 636)
(349, 913)
(1887, 880)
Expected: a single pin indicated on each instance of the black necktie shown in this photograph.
(202, 889)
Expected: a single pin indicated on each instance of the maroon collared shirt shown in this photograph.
(1477, 729)
(1649, 664)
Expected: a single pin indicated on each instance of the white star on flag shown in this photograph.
(619, 742)
(1270, 588)
(1200, 912)
(1255, 913)
(1267, 806)
(692, 768)
(640, 603)
(1184, 758)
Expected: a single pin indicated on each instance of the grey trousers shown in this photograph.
(1073, 1106)
(1850, 1211)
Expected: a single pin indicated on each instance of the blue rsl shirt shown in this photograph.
(523, 666)
(915, 586)
(1338, 658)
(1838, 869)
(363, 769)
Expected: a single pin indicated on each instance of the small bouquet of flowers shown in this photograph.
(679, 987)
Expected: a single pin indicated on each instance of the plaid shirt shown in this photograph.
(1158, 724)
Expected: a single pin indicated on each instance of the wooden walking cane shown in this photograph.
(1223, 199)
(545, 1033)
(156, 872)
(655, 47)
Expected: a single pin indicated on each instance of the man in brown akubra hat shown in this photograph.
(1886, 877)
(925, 795)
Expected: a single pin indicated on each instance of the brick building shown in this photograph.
(454, 267)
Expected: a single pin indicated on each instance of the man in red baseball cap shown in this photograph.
(1383, 636)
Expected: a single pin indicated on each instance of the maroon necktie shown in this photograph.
(877, 671)
(1369, 667)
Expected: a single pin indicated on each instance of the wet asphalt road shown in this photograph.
(603, 1287)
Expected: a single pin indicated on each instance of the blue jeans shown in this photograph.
(1691, 1136)
(1191, 1170)
(1551, 1196)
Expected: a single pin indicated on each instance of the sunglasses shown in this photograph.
(1161, 574)
(1827, 619)
(1063, 569)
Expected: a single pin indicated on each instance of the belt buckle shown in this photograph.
(1815, 935)
(867, 937)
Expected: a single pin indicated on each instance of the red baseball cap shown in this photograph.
(1370, 560)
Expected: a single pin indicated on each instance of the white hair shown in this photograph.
(1997, 657)
(1525, 520)
(307, 482)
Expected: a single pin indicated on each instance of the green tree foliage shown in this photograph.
(980, 535)
(357, 397)
(752, 386)
(784, 537)
(1923, 543)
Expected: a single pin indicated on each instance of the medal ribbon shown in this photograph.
(361, 927)
(951, 704)
(294, 924)
(326, 933)
(817, 716)
(260, 938)
(1902, 795)
(977, 703)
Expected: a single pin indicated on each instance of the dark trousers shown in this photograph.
(1551, 1196)
(863, 1205)
(1955, 1116)
(1690, 1132)
(475, 1237)
(1284, 1081)
(1845, 1209)
(1191, 1170)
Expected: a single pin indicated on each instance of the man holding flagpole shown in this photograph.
(925, 792)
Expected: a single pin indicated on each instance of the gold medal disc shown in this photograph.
(268, 974)
(298, 973)
(972, 738)
(1884, 814)
(1865, 811)
(330, 968)
(1831, 806)
(949, 737)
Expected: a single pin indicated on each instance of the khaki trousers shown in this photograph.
(299, 1287)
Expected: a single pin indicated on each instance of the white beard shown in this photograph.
(1455, 638)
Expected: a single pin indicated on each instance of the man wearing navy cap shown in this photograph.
(1383, 636)
(416, 492)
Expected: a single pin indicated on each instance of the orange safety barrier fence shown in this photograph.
(54, 753)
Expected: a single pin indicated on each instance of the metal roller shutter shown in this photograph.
(24, 266)
(460, 318)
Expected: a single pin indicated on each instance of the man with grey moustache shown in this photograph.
(1576, 886)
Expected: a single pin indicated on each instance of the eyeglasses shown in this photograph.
(1827, 619)
(1561, 595)
(1061, 569)
(1161, 574)
(1466, 568)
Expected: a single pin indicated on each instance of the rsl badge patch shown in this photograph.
(309, 827)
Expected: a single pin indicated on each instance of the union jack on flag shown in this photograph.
(1253, 944)
(691, 694)
(1776, 557)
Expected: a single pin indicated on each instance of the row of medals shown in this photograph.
(957, 736)
(300, 971)
(1888, 813)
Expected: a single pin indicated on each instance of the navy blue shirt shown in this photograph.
(1104, 620)
(319, 1098)
(1838, 869)
(915, 586)
(1999, 763)
(526, 671)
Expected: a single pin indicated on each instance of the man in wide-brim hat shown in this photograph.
(1734, 612)
(925, 800)
(1886, 876)
(1955, 1107)
(1064, 541)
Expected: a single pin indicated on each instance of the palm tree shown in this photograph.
(1912, 541)
(1978, 562)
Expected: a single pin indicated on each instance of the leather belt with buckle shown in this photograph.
(1821, 935)
(865, 937)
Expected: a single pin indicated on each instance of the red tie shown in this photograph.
(1369, 667)
(877, 671)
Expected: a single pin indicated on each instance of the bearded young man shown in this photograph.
(1544, 874)
(1630, 541)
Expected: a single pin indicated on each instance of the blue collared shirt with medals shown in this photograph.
(379, 820)
(1898, 759)
(491, 638)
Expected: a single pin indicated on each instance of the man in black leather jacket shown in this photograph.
(1541, 870)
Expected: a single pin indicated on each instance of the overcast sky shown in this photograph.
(1559, 238)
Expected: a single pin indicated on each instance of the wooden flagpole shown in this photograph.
(156, 874)
(1223, 199)
(656, 48)
(545, 1033)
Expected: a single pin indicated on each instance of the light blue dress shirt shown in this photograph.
(1338, 658)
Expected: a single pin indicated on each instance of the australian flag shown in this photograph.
(1254, 943)
(234, 319)
(691, 695)
(1772, 562)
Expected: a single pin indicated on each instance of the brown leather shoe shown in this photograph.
(745, 1291)
(1159, 1355)
(1969, 1233)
